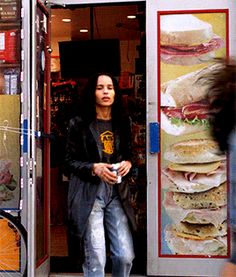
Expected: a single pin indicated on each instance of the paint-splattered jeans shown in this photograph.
(111, 216)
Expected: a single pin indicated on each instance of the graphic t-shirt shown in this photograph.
(107, 144)
(106, 139)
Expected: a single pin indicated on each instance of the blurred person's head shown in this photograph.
(222, 90)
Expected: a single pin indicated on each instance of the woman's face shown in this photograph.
(105, 93)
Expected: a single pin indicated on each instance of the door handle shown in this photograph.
(154, 137)
(49, 49)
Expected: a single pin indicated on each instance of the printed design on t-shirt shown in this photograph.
(107, 139)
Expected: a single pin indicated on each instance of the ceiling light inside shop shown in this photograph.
(83, 30)
(66, 20)
(131, 16)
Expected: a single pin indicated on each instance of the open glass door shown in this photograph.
(40, 145)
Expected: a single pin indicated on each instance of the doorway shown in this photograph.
(75, 30)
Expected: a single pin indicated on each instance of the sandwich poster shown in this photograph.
(9, 151)
(193, 187)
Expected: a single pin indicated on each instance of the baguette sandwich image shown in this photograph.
(187, 40)
(185, 103)
(195, 197)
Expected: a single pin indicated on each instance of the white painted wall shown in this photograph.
(156, 265)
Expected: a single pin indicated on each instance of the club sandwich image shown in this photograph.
(187, 40)
(185, 103)
(195, 197)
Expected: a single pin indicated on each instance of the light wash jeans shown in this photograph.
(111, 214)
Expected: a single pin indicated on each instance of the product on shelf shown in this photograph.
(9, 10)
(8, 46)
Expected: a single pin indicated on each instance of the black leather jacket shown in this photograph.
(81, 153)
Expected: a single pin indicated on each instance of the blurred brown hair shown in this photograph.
(222, 90)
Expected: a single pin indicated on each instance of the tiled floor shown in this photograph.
(58, 241)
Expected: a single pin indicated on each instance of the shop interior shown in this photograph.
(86, 39)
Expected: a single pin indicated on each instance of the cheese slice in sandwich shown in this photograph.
(196, 167)
(210, 199)
(186, 244)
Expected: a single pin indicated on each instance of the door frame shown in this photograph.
(44, 268)
(41, 267)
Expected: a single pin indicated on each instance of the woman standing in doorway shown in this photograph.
(99, 141)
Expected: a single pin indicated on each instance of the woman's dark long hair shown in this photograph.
(88, 100)
(222, 90)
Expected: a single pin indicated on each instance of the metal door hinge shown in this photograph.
(22, 34)
(32, 163)
(22, 55)
(22, 12)
(30, 182)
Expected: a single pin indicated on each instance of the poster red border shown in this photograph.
(159, 219)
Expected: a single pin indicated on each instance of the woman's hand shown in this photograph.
(124, 168)
(103, 171)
